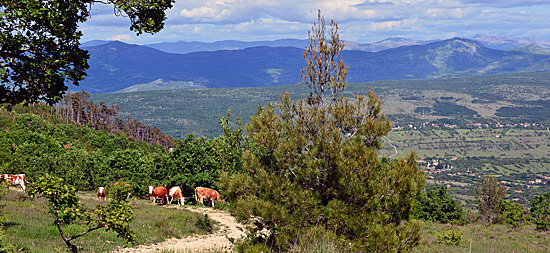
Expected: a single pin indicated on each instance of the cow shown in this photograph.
(202, 193)
(19, 179)
(158, 193)
(101, 193)
(175, 193)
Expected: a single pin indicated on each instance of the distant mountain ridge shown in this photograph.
(115, 66)
(494, 41)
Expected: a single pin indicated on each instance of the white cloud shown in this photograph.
(121, 37)
(506, 3)
(360, 20)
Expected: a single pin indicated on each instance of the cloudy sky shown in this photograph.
(359, 20)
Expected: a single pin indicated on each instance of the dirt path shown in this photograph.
(228, 228)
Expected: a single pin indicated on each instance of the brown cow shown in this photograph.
(101, 193)
(175, 193)
(202, 193)
(18, 179)
(158, 193)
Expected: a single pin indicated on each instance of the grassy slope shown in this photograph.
(30, 227)
(480, 238)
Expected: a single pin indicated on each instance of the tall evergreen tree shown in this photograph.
(314, 167)
(489, 193)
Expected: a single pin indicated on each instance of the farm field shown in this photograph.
(463, 143)
(480, 238)
(29, 226)
(515, 155)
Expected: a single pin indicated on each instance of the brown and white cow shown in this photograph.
(203, 193)
(101, 193)
(19, 179)
(175, 193)
(159, 192)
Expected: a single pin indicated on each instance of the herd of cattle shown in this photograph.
(166, 196)
(156, 194)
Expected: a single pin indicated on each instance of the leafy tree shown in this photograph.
(489, 193)
(436, 204)
(193, 162)
(64, 204)
(39, 43)
(540, 211)
(230, 145)
(313, 167)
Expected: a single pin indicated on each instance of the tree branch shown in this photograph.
(87, 231)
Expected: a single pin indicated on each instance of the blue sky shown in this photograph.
(358, 20)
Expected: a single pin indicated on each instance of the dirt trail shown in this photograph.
(228, 228)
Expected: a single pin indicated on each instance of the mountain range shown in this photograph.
(117, 66)
(494, 41)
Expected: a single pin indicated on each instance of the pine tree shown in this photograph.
(489, 193)
(314, 168)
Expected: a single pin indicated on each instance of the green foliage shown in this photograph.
(87, 158)
(436, 204)
(489, 193)
(511, 213)
(199, 161)
(314, 164)
(540, 211)
(230, 145)
(204, 223)
(4, 246)
(40, 44)
(452, 109)
(66, 206)
(450, 236)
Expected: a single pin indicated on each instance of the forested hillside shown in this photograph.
(512, 98)
(115, 66)
(88, 146)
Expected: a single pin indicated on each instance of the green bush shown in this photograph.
(436, 204)
(512, 214)
(540, 211)
(450, 236)
(204, 223)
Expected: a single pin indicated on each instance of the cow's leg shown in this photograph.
(182, 201)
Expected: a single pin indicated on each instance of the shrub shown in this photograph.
(450, 236)
(540, 211)
(204, 223)
(436, 204)
(511, 213)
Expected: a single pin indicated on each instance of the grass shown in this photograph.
(30, 227)
(480, 238)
